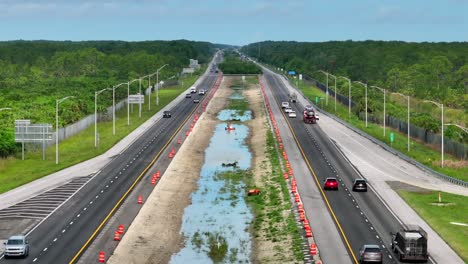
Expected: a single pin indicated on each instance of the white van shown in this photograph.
(193, 89)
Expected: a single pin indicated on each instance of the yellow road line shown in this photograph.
(318, 184)
(98, 229)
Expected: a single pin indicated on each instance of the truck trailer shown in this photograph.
(410, 244)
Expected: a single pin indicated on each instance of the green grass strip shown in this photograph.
(454, 208)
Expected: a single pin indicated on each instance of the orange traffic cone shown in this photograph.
(102, 256)
(294, 189)
(296, 198)
(116, 236)
(313, 249)
(140, 199)
(308, 232)
(121, 229)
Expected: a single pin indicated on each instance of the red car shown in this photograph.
(330, 184)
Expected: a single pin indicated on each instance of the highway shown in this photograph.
(63, 236)
(361, 218)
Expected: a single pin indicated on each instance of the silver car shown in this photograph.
(16, 246)
(370, 254)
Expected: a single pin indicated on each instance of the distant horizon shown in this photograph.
(236, 23)
(351, 40)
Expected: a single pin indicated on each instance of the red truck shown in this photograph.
(309, 116)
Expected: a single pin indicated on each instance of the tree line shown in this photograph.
(233, 64)
(33, 74)
(432, 71)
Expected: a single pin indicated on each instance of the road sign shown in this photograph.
(292, 73)
(316, 99)
(136, 99)
(27, 132)
(392, 137)
(23, 122)
(300, 76)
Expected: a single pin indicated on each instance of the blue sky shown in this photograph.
(236, 22)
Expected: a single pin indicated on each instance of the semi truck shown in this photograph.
(309, 116)
(410, 244)
(293, 98)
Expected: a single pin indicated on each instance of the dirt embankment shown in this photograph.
(155, 233)
(267, 247)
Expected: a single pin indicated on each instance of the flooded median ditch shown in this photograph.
(223, 224)
(194, 218)
(216, 225)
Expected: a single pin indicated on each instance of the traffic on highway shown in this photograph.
(351, 221)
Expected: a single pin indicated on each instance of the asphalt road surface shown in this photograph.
(63, 235)
(361, 218)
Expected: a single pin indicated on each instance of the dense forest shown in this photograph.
(233, 64)
(33, 74)
(432, 71)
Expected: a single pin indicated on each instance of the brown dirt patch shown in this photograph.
(401, 186)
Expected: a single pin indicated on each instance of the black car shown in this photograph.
(189, 95)
(167, 114)
(360, 185)
(196, 101)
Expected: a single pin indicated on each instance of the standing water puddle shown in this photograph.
(216, 224)
(237, 94)
(234, 115)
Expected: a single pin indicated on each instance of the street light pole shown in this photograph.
(349, 94)
(365, 86)
(113, 110)
(113, 105)
(57, 102)
(157, 83)
(457, 125)
(149, 96)
(442, 125)
(382, 90)
(408, 98)
(326, 87)
(5, 108)
(95, 114)
(139, 113)
(335, 87)
(128, 98)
